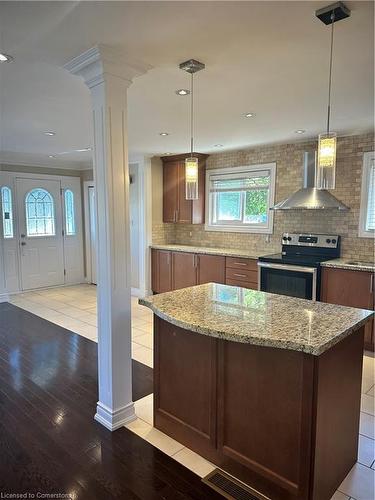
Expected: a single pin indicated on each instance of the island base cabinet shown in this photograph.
(283, 421)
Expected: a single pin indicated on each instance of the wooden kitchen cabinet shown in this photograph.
(175, 270)
(184, 270)
(176, 208)
(161, 271)
(353, 289)
(211, 269)
(232, 409)
(241, 272)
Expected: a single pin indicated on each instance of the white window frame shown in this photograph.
(234, 226)
(367, 160)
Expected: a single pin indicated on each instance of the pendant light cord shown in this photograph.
(330, 72)
(192, 116)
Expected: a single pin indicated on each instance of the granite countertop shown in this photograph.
(227, 252)
(259, 318)
(351, 265)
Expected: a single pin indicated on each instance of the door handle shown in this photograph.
(23, 243)
(23, 235)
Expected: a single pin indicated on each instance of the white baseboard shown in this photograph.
(113, 420)
(4, 297)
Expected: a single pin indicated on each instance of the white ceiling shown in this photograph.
(267, 57)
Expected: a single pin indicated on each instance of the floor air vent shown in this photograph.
(231, 488)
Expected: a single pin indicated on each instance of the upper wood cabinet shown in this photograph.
(175, 206)
(352, 289)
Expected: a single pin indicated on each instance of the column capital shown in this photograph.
(101, 61)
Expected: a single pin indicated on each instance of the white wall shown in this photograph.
(157, 190)
(134, 195)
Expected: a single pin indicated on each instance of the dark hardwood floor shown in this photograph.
(49, 441)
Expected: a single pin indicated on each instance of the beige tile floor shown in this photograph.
(74, 308)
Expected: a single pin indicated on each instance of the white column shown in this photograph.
(108, 74)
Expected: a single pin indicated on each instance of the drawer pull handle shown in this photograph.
(240, 263)
(240, 275)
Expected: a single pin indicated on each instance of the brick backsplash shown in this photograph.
(288, 158)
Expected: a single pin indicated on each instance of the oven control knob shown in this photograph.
(334, 241)
(328, 240)
(289, 238)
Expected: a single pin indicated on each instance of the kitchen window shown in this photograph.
(367, 212)
(239, 199)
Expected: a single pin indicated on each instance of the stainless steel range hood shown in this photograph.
(309, 197)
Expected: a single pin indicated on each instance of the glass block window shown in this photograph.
(40, 213)
(70, 225)
(7, 211)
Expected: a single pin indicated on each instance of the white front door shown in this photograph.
(40, 233)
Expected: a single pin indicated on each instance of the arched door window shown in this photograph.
(40, 214)
(7, 211)
(70, 225)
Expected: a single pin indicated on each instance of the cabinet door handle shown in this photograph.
(240, 275)
(372, 283)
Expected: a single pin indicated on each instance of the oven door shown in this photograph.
(285, 279)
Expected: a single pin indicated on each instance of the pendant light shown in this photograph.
(326, 168)
(191, 163)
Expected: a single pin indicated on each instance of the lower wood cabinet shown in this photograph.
(175, 270)
(241, 272)
(161, 271)
(184, 270)
(269, 416)
(211, 269)
(353, 289)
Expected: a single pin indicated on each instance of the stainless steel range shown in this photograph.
(296, 270)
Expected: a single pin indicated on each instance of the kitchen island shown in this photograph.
(265, 386)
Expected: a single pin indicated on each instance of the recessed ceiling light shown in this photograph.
(182, 92)
(51, 156)
(5, 58)
(163, 133)
(50, 133)
(300, 131)
(218, 145)
(249, 115)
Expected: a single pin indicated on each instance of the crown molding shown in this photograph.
(101, 60)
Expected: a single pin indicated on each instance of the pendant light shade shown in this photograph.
(326, 171)
(191, 178)
(191, 163)
(326, 167)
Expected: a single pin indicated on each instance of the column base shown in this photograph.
(113, 420)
